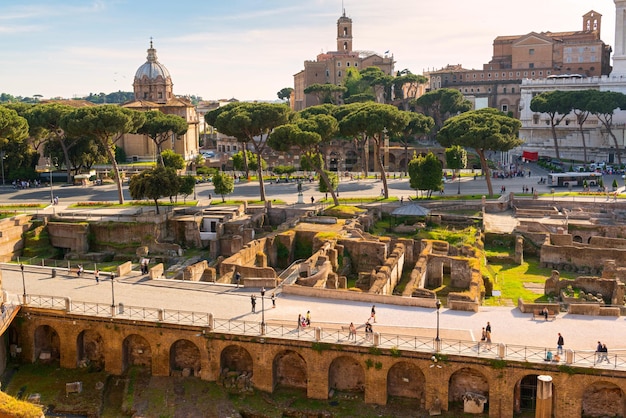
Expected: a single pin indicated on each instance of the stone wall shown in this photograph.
(245, 261)
(72, 236)
(11, 236)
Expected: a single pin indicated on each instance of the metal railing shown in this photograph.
(330, 334)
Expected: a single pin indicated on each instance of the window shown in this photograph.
(347, 64)
(535, 119)
(531, 51)
(356, 64)
(338, 63)
(327, 73)
(345, 31)
(531, 65)
(512, 90)
(505, 108)
(504, 90)
(345, 46)
(339, 73)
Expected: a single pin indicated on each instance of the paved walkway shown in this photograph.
(509, 325)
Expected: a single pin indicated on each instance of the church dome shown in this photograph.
(152, 69)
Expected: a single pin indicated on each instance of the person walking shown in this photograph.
(299, 320)
(237, 278)
(308, 318)
(373, 316)
(96, 275)
(253, 303)
(559, 344)
(605, 354)
(599, 352)
(273, 300)
(352, 331)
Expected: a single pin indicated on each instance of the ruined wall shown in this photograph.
(11, 233)
(74, 236)
(245, 260)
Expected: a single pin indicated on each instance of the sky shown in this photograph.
(250, 49)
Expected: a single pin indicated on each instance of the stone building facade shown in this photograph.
(533, 56)
(153, 89)
(331, 67)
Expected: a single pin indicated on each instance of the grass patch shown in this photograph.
(218, 202)
(511, 278)
(49, 381)
(343, 211)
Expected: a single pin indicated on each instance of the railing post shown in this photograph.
(318, 334)
(569, 356)
(68, 305)
(501, 350)
(161, 314)
(211, 321)
(113, 310)
(376, 339)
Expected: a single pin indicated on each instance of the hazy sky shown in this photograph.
(250, 49)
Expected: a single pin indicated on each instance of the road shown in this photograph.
(287, 192)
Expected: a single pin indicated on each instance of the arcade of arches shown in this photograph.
(319, 370)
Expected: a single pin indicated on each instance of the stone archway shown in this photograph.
(136, 352)
(184, 359)
(406, 380)
(525, 395)
(47, 344)
(463, 381)
(577, 238)
(603, 399)
(236, 367)
(347, 375)
(289, 369)
(90, 350)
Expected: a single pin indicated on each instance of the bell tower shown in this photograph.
(344, 33)
(592, 22)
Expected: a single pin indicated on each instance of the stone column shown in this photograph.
(519, 249)
(619, 49)
(543, 408)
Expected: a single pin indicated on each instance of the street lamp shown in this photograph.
(23, 283)
(112, 290)
(50, 172)
(262, 311)
(437, 339)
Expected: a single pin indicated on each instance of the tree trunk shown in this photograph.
(156, 204)
(406, 158)
(381, 167)
(556, 140)
(607, 122)
(485, 167)
(582, 135)
(245, 160)
(116, 172)
(324, 177)
(259, 171)
(66, 155)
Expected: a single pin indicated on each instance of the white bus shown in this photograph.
(574, 179)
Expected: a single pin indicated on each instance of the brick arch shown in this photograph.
(603, 398)
(184, 358)
(346, 374)
(289, 369)
(577, 238)
(47, 344)
(525, 394)
(136, 351)
(235, 358)
(90, 350)
(406, 380)
(464, 380)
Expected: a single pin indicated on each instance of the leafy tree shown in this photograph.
(556, 104)
(325, 93)
(418, 125)
(374, 121)
(603, 104)
(186, 186)
(172, 159)
(250, 123)
(13, 132)
(44, 122)
(484, 130)
(456, 159)
(154, 184)
(84, 153)
(405, 88)
(425, 173)
(380, 82)
(440, 104)
(238, 161)
(309, 130)
(161, 128)
(285, 93)
(107, 124)
(223, 184)
(357, 88)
